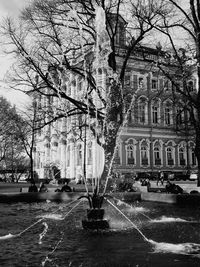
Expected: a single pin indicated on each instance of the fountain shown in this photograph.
(56, 237)
(95, 214)
(62, 241)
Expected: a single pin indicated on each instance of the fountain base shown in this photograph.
(94, 220)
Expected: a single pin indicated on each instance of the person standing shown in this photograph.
(162, 178)
(32, 187)
(43, 188)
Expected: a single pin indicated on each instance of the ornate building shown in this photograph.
(156, 135)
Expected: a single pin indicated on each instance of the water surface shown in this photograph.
(57, 238)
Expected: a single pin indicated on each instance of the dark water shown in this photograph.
(173, 236)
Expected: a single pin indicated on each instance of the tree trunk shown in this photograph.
(113, 121)
(31, 168)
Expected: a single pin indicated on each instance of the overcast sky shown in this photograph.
(10, 8)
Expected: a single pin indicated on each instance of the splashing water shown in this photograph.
(165, 219)
(134, 226)
(163, 247)
(183, 248)
(47, 259)
(52, 216)
(43, 232)
(8, 236)
(132, 209)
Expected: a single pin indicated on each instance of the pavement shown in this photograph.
(187, 186)
(23, 187)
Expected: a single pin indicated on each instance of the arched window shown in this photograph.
(79, 155)
(193, 158)
(155, 113)
(130, 154)
(142, 110)
(144, 155)
(157, 156)
(167, 114)
(170, 156)
(181, 156)
(130, 151)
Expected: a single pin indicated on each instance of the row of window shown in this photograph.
(161, 112)
(140, 82)
(144, 155)
(170, 155)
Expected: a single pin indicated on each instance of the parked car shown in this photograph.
(143, 175)
(180, 176)
(176, 176)
(193, 176)
(154, 175)
(169, 175)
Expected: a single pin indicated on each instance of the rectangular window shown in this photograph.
(135, 85)
(142, 113)
(127, 80)
(193, 158)
(166, 85)
(141, 83)
(155, 114)
(167, 116)
(154, 83)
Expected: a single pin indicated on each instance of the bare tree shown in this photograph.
(55, 39)
(12, 157)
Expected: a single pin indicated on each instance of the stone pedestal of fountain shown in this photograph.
(95, 220)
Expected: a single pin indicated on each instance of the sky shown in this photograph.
(10, 8)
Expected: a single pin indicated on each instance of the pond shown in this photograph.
(50, 234)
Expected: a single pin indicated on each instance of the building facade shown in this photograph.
(155, 135)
